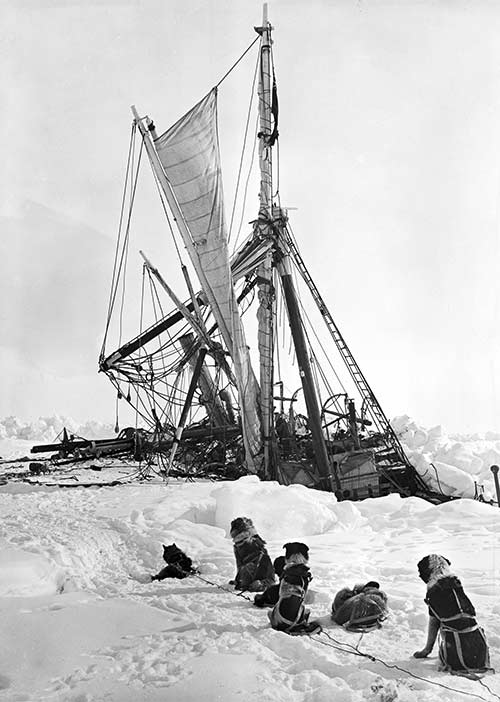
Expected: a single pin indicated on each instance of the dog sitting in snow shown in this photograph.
(254, 570)
(462, 648)
(361, 609)
(289, 613)
(271, 595)
(178, 564)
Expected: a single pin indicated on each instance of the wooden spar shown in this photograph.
(194, 301)
(187, 404)
(209, 398)
(156, 329)
(299, 342)
(353, 426)
(180, 305)
(265, 154)
(197, 325)
(343, 415)
(142, 339)
(265, 276)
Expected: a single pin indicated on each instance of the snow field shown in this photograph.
(77, 562)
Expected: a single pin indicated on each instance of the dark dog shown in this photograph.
(254, 570)
(178, 564)
(361, 609)
(462, 648)
(271, 595)
(289, 613)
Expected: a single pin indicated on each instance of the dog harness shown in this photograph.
(278, 620)
(455, 628)
(293, 585)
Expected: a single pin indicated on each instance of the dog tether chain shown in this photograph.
(209, 582)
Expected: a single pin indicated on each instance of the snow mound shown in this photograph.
(455, 468)
(284, 511)
(24, 574)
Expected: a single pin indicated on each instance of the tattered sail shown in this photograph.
(189, 153)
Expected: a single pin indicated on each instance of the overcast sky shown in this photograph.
(389, 150)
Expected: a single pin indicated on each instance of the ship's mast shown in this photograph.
(271, 223)
(264, 229)
(303, 361)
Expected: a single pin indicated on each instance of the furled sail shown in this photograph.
(189, 153)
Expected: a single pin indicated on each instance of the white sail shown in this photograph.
(189, 153)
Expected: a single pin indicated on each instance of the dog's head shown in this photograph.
(242, 527)
(296, 552)
(432, 567)
(172, 553)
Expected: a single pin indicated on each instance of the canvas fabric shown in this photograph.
(189, 154)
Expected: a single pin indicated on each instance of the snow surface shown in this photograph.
(82, 622)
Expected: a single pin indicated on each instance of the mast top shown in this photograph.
(266, 27)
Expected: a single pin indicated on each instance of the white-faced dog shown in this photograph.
(254, 570)
(462, 648)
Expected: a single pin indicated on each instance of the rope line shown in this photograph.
(487, 688)
(243, 150)
(346, 647)
(117, 248)
(257, 38)
(356, 652)
(224, 589)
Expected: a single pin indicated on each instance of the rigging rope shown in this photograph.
(245, 192)
(124, 255)
(311, 326)
(237, 62)
(243, 154)
(120, 224)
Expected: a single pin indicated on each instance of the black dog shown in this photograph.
(178, 564)
(254, 570)
(289, 613)
(462, 648)
(271, 595)
(361, 609)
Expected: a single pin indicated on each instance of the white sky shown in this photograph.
(389, 146)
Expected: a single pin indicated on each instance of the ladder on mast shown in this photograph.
(396, 456)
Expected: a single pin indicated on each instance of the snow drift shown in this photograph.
(82, 622)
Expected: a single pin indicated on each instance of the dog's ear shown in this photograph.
(423, 569)
(449, 562)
